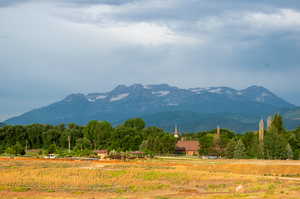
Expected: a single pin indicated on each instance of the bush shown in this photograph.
(19, 149)
(52, 149)
(16, 149)
(10, 151)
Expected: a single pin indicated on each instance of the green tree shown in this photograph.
(206, 143)
(19, 148)
(250, 139)
(152, 131)
(230, 148)
(52, 149)
(136, 123)
(2, 149)
(16, 149)
(277, 124)
(275, 145)
(159, 144)
(34, 133)
(83, 144)
(126, 139)
(64, 138)
(289, 152)
(51, 136)
(98, 132)
(239, 150)
(294, 140)
(10, 151)
(152, 142)
(104, 135)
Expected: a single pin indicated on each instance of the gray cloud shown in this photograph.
(4, 3)
(49, 49)
(99, 2)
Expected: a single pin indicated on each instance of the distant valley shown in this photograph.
(163, 105)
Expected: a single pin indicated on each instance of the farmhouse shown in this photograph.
(189, 147)
(101, 153)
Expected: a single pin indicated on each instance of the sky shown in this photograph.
(52, 48)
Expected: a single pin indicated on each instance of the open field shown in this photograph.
(154, 179)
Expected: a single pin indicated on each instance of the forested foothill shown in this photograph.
(275, 142)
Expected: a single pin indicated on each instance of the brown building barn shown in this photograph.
(189, 147)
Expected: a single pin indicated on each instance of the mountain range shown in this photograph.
(163, 105)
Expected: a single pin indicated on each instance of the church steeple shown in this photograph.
(176, 132)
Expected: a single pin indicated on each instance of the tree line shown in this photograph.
(133, 135)
(277, 143)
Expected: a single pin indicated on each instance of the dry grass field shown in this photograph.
(25, 178)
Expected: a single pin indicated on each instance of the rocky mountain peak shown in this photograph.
(137, 100)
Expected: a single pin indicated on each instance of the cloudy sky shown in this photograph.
(51, 48)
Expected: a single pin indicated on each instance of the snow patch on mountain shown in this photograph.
(91, 100)
(216, 90)
(101, 97)
(172, 104)
(95, 98)
(198, 90)
(261, 98)
(147, 86)
(119, 97)
(161, 93)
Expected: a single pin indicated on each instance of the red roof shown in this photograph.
(188, 145)
(101, 151)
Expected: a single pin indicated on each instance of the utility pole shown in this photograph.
(69, 143)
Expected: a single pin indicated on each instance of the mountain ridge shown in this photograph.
(137, 100)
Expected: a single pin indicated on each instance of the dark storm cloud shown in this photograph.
(49, 48)
(4, 3)
(99, 2)
(277, 52)
(187, 10)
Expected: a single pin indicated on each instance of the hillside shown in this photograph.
(193, 122)
(293, 114)
(194, 108)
